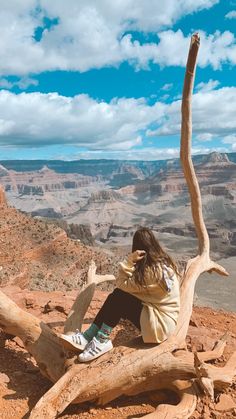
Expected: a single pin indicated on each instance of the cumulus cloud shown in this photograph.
(146, 153)
(206, 87)
(216, 49)
(204, 137)
(213, 116)
(231, 15)
(230, 139)
(167, 87)
(22, 83)
(80, 35)
(5, 84)
(36, 120)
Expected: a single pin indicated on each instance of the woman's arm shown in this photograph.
(125, 280)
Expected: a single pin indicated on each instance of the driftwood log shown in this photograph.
(136, 367)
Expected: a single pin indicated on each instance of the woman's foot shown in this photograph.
(74, 341)
(94, 349)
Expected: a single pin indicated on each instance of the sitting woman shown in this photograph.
(147, 294)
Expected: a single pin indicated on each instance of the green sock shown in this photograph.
(91, 332)
(104, 333)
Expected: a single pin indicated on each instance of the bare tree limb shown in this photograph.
(185, 152)
(41, 342)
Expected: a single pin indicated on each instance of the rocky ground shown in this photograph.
(37, 255)
(21, 384)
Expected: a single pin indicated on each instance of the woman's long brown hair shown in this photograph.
(144, 239)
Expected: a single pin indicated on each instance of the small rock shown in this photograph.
(4, 379)
(48, 307)
(225, 403)
(18, 341)
(92, 411)
(29, 302)
(108, 408)
(193, 321)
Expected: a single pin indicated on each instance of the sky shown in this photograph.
(90, 79)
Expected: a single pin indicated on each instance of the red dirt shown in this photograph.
(21, 384)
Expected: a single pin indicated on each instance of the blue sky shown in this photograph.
(101, 79)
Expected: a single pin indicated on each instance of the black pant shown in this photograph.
(119, 304)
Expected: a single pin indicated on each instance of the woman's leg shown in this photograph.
(119, 304)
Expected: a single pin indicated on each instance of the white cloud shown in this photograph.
(230, 139)
(22, 83)
(25, 82)
(167, 87)
(216, 49)
(213, 115)
(37, 119)
(146, 153)
(231, 15)
(5, 84)
(206, 87)
(90, 34)
(204, 137)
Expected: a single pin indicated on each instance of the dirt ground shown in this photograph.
(21, 384)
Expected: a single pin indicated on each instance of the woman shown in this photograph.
(147, 294)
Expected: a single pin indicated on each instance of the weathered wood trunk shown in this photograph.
(41, 342)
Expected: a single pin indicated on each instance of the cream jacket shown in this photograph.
(160, 298)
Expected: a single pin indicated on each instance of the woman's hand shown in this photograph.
(137, 255)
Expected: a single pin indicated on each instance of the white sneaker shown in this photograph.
(94, 349)
(74, 341)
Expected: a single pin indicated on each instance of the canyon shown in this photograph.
(109, 199)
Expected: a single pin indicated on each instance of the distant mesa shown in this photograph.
(216, 158)
(45, 170)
